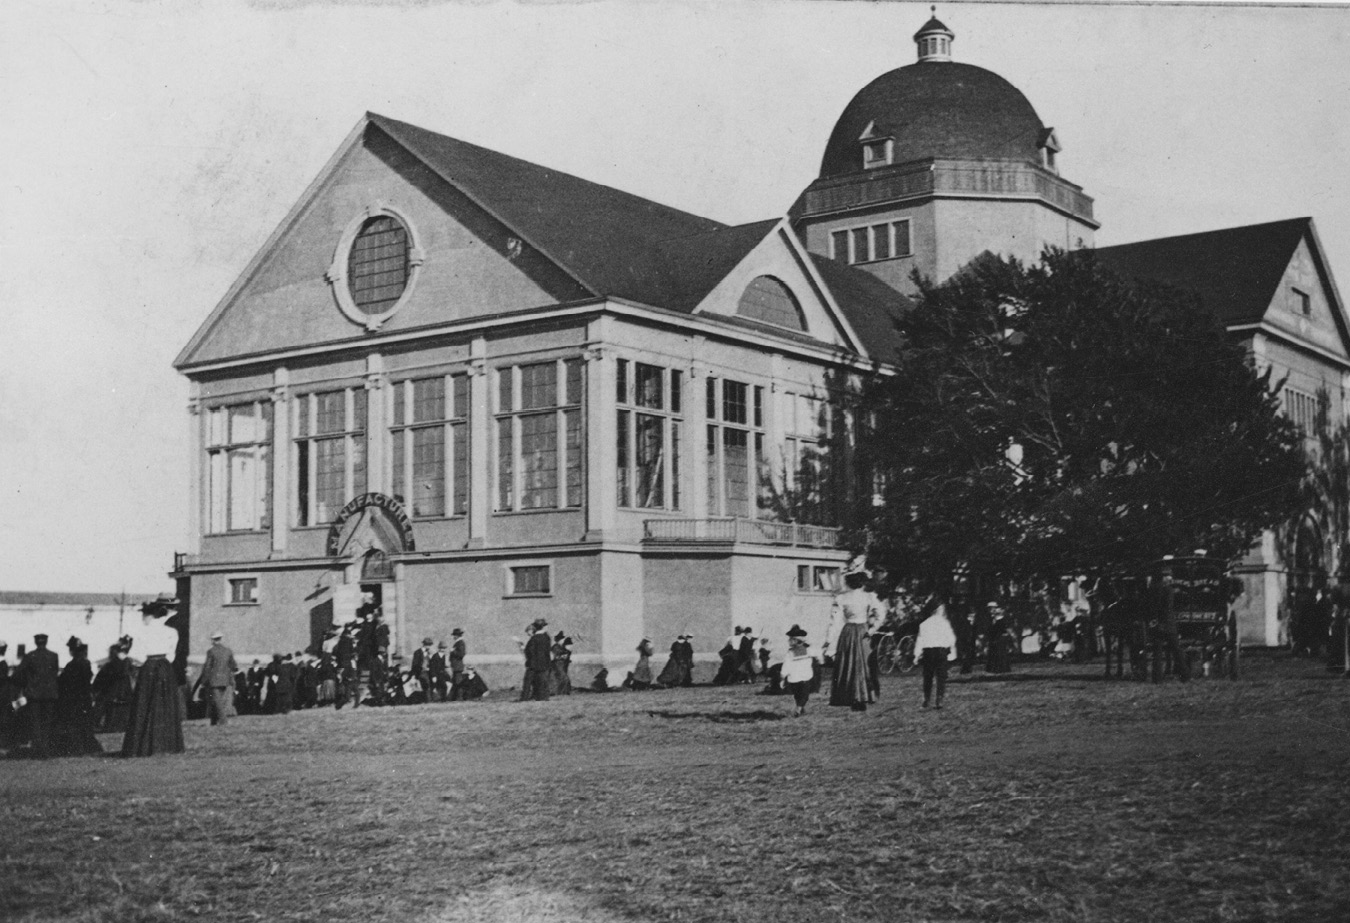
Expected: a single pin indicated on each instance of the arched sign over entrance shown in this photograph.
(369, 521)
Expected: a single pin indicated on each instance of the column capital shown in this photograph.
(594, 352)
(476, 368)
(194, 406)
(281, 394)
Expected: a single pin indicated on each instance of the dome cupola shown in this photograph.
(934, 40)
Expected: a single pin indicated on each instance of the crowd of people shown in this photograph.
(47, 709)
(56, 711)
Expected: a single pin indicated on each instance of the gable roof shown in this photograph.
(612, 243)
(1235, 271)
(607, 239)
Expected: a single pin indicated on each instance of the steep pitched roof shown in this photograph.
(1235, 271)
(871, 306)
(609, 240)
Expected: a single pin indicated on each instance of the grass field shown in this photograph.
(1049, 794)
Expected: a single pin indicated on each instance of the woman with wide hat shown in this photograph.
(155, 724)
(851, 686)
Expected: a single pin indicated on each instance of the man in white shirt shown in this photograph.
(936, 645)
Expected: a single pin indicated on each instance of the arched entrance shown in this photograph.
(366, 538)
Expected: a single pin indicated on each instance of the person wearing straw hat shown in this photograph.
(218, 677)
(850, 685)
(798, 668)
(155, 724)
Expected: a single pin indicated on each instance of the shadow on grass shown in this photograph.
(722, 717)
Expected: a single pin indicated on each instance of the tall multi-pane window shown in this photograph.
(649, 423)
(1302, 408)
(734, 446)
(429, 445)
(330, 453)
(239, 467)
(812, 428)
(538, 441)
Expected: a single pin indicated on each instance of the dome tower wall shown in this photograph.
(950, 159)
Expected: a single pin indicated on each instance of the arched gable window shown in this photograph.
(771, 302)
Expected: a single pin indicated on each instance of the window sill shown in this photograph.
(536, 510)
(263, 531)
(527, 596)
(252, 605)
(888, 259)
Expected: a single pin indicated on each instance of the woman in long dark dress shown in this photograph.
(851, 684)
(675, 673)
(642, 673)
(155, 724)
(75, 705)
(562, 662)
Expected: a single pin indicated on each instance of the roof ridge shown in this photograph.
(530, 164)
(1305, 220)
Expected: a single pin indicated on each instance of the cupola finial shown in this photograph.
(934, 40)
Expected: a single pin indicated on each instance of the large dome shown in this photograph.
(937, 109)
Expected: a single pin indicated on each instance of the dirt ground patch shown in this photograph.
(1046, 795)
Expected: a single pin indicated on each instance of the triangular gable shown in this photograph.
(780, 256)
(286, 298)
(1306, 305)
(1245, 275)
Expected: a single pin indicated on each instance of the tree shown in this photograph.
(1326, 490)
(1057, 419)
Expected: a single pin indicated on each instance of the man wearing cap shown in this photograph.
(538, 664)
(218, 678)
(36, 679)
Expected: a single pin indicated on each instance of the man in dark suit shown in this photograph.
(218, 678)
(458, 651)
(421, 668)
(538, 664)
(36, 678)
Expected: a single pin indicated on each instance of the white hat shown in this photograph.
(858, 565)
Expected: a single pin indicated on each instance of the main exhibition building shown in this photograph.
(478, 391)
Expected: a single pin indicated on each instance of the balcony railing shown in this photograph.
(961, 177)
(751, 531)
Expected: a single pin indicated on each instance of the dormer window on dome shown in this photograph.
(1049, 148)
(877, 150)
(769, 301)
(934, 40)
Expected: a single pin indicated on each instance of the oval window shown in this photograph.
(377, 265)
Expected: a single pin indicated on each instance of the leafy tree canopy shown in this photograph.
(1057, 419)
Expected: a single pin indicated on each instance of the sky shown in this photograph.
(151, 147)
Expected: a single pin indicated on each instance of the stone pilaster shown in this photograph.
(196, 485)
(281, 460)
(480, 429)
(601, 439)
